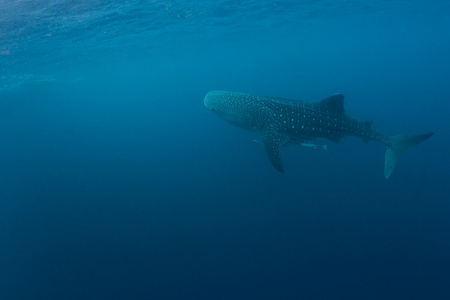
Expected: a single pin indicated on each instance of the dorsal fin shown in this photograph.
(333, 103)
(369, 124)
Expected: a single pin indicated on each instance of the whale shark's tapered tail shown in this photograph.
(396, 146)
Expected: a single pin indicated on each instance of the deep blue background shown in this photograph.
(116, 183)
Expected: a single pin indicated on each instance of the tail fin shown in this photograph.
(396, 146)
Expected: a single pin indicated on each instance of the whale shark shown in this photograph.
(280, 121)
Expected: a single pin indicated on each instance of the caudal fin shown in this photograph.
(396, 146)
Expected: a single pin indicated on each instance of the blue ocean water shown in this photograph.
(117, 183)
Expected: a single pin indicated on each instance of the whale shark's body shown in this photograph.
(280, 121)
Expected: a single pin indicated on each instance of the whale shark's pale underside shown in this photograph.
(280, 121)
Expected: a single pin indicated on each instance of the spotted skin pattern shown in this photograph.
(281, 120)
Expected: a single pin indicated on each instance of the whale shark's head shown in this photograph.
(226, 105)
(218, 102)
(236, 108)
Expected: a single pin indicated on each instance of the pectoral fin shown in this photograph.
(273, 142)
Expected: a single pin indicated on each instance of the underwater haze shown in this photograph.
(116, 182)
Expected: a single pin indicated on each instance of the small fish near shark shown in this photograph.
(281, 121)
